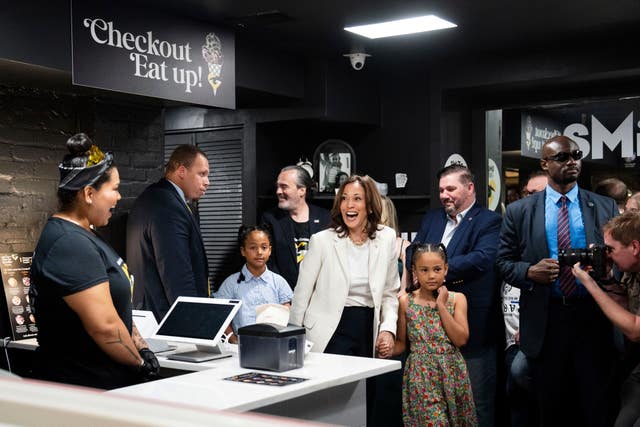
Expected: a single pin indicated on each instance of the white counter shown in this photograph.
(334, 392)
(38, 403)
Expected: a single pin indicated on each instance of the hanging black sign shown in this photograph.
(534, 131)
(120, 47)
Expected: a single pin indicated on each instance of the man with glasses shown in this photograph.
(622, 237)
(566, 338)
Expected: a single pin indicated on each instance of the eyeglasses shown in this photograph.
(563, 156)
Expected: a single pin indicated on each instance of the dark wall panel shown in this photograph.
(37, 32)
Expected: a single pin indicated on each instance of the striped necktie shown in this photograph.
(566, 281)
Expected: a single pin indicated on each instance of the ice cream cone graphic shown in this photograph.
(212, 54)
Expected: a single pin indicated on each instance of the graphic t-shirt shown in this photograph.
(301, 236)
(69, 259)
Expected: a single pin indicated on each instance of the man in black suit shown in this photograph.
(470, 234)
(165, 252)
(566, 338)
(293, 222)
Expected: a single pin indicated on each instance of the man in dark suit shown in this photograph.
(293, 222)
(567, 340)
(165, 252)
(470, 234)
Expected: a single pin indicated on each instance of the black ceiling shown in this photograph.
(484, 26)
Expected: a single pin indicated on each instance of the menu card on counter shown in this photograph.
(265, 379)
(16, 283)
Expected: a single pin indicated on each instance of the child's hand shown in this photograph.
(443, 295)
(384, 344)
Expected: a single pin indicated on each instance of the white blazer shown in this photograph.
(323, 285)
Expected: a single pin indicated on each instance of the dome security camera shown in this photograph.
(357, 60)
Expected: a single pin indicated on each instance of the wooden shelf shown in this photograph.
(410, 197)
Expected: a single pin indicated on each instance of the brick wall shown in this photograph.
(34, 126)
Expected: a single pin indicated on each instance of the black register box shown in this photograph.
(271, 347)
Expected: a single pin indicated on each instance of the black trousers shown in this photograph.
(354, 337)
(573, 375)
(354, 334)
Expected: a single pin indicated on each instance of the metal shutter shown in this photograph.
(220, 209)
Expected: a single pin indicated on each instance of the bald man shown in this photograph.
(566, 338)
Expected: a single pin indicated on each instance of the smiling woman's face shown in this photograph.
(104, 199)
(353, 207)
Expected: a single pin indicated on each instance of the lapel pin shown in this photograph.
(590, 204)
(316, 221)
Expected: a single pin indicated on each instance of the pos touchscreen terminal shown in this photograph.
(199, 321)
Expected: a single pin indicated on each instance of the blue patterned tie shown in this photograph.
(566, 281)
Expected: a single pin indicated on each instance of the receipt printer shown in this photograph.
(271, 347)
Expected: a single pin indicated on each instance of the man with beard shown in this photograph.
(470, 234)
(566, 338)
(293, 222)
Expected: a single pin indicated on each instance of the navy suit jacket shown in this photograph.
(283, 256)
(165, 252)
(472, 253)
(523, 242)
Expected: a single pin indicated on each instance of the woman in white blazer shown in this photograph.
(346, 294)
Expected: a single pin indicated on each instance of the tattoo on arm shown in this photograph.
(119, 341)
(138, 341)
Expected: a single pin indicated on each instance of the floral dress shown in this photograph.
(436, 389)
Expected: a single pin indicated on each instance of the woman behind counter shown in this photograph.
(80, 287)
(346, 294)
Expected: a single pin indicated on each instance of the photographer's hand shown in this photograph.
(544, 272)
(582, 274)
(622, 318)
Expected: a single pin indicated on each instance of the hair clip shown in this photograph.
(95, 156)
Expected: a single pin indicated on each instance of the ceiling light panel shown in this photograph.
(400, 27)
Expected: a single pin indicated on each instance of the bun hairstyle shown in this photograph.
(419, 249)
(85, 165)
(78, 146)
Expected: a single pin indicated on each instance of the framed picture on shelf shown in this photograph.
(335, 161)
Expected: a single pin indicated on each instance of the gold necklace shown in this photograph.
(359, 242)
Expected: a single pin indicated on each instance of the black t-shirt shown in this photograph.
(301, 236)
(69, 259)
